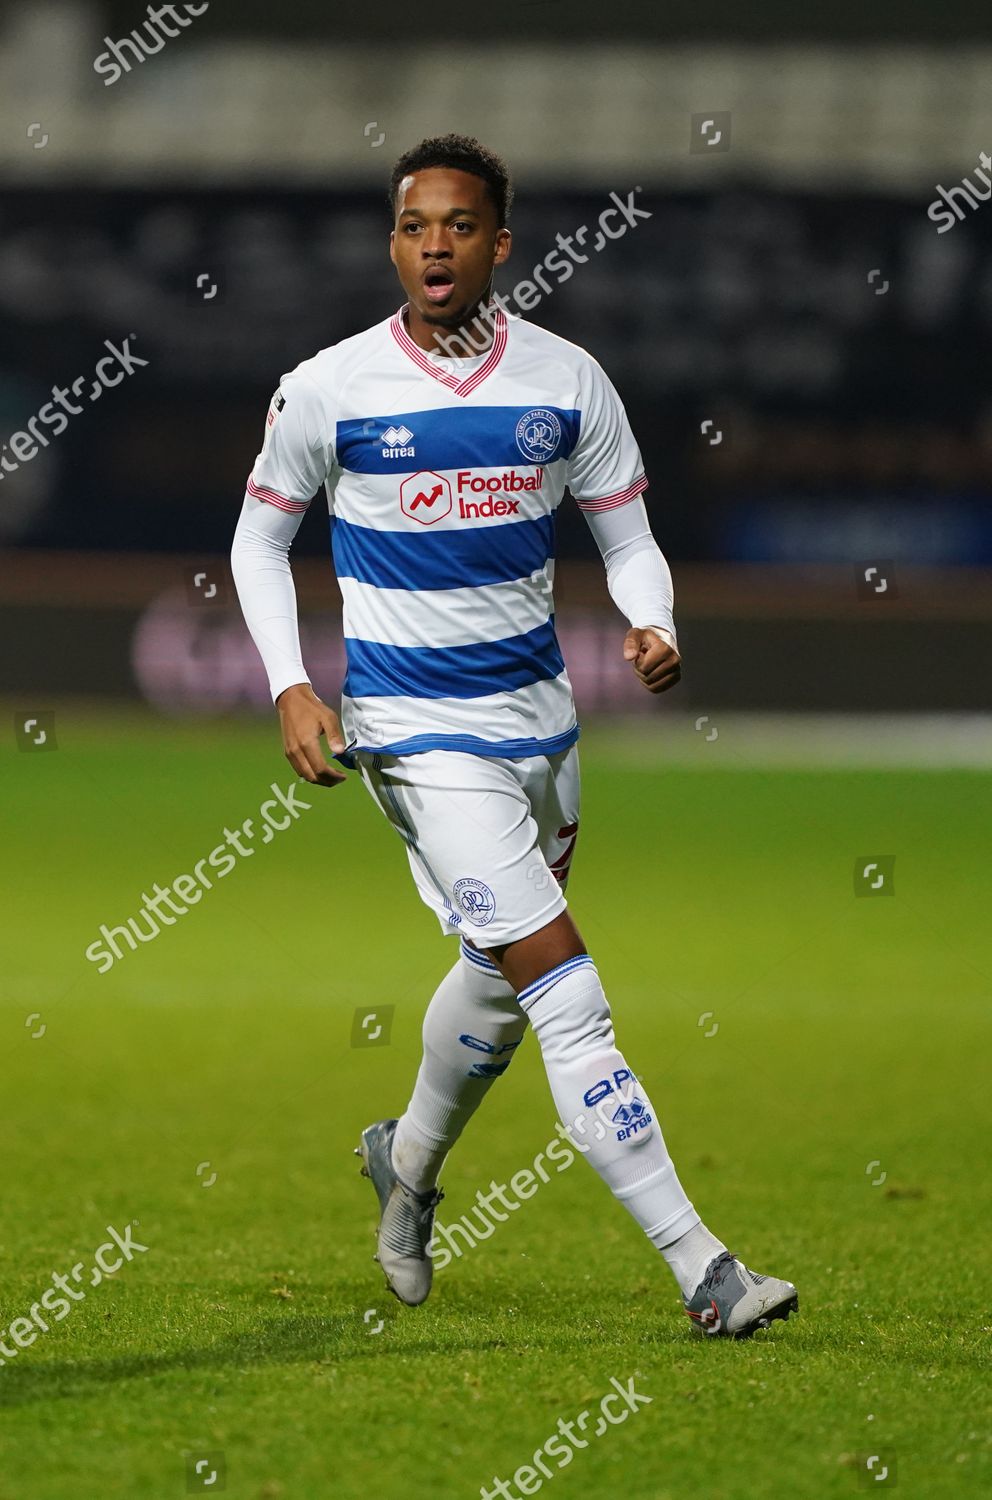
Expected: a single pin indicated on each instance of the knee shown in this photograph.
(528, 959)
(572, 1016)
(586, 1026)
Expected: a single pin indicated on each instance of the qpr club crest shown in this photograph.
(475, 899)
(539, 435)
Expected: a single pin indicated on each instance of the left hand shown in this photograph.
(655, 662)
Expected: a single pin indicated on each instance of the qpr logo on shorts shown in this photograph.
(475, 899)
(539, 435)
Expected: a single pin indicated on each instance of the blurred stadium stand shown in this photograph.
(802, 355)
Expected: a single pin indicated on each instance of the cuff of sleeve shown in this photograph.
(667, 633)
(287, 679)
(619, 497)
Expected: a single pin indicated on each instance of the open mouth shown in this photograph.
(438, 284)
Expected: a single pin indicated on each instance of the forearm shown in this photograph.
(264, 581)
(637, 573)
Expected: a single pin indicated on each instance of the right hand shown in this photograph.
(304, 718)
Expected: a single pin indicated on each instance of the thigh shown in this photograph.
(473, 841)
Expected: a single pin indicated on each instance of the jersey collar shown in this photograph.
(460, 387)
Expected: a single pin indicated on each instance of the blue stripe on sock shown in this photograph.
(478, 959)
(546, 981)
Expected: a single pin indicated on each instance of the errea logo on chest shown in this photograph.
(396, 441)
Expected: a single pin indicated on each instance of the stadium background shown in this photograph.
(804, 360)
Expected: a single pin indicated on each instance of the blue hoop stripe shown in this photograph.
(551, 978)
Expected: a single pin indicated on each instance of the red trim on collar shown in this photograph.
(460, 387)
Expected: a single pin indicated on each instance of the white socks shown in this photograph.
(472, 1028)
(609, 1117)
(689, 1256)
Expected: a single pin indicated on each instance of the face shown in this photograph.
(445, 243)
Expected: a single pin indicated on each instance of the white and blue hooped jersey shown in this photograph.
(443, 478)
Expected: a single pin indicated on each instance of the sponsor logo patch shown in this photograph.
(425, 497)
(494, 487)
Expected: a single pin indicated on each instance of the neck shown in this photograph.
(472, 335)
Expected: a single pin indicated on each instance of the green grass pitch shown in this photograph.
(834, 1129)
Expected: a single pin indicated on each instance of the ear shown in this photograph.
(504, 241)
(392, 246)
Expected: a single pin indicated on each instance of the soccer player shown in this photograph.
(445, 437)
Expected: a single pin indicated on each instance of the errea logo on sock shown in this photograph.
(631, 1115)
(630, 1118)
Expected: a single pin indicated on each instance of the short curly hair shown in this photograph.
(461, 153)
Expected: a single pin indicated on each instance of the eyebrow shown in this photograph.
(453, 213)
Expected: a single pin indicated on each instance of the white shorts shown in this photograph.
(490, 841)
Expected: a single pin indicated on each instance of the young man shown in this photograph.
(445, 437)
